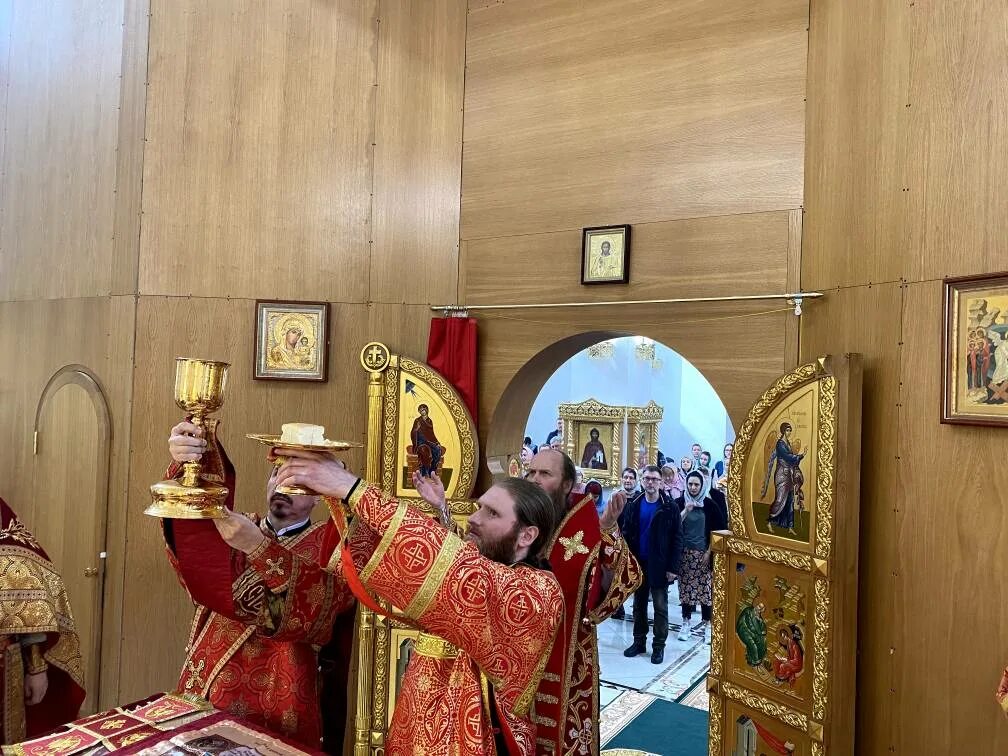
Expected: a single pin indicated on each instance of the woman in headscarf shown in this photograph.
(701, 516)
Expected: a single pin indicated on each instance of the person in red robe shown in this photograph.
(487, 608)
(790, 661)
(597, 573)
(425, 442)
(41, 675)
(267, 593)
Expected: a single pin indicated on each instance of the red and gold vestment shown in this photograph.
(490, 629)
(34, 606)
(567, 707)
(259, 617)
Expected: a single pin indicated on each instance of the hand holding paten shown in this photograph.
(239, 532)
(321, 473)
(613, 510)
(186, 442)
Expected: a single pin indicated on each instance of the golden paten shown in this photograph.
(199, 391)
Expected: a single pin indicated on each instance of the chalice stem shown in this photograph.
(190, 474)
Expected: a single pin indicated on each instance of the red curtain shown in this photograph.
(451, 350)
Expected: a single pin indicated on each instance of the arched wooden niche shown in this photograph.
(69, 514)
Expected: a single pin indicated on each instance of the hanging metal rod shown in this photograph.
(795, 299)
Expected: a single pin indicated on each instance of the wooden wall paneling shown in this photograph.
(96, 333)
(168, 327)
(418, 151)
(402, 328)
(958, 145)
(257, 172)
(870, 318)
(6, 34)
(698, 257)
(738, 347)
(628, 111)
(59, 158)
(857, 209)
(949, 562)
(129, 156)
(792, 326)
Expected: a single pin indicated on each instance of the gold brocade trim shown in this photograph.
(547, 698)
(744, 440)
(13, 695)
(33, 599)
(818, 749)
(785, 557)
(384, 543)
(434, 647)
(771, 708)
(258, 550)
(435, 577)
(714, 725)
(718, 615)
(820, 675)
(356, 495)
(16, 531)
(824, 479)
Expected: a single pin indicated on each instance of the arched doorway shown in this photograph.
(620, 369)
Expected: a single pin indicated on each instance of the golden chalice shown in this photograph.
(199, 391)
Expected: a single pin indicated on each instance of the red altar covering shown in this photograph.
(154, 725)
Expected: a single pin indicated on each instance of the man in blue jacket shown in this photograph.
(650, 524)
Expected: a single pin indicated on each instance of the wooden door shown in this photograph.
(70, 506)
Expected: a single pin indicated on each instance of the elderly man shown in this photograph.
(487, 606)
(265, 601)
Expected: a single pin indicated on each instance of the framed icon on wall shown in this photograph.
(292, 341)
(975, 350)
(605, 255)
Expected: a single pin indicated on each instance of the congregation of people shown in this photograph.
(671, 511)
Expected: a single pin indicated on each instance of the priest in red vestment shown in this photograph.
(266, 596)
(584, 549)
(488, 609)
(41, 676)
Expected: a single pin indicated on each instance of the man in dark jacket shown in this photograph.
(650, 524)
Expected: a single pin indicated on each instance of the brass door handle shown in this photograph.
(90, 571)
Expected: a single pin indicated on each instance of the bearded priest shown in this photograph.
(487, 605)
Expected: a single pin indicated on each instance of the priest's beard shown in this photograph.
(501, 550)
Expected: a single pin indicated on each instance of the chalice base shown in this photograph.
(172, 500)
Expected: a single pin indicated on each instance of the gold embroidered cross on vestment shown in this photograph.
(573, 545)
(273, 567)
